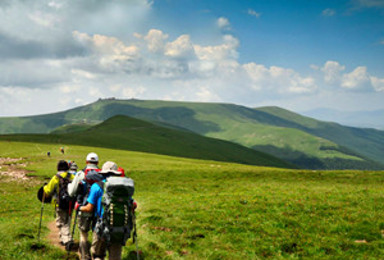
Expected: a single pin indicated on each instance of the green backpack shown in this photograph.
(116, 224)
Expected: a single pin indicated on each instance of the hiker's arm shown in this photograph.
(87, 208)
(94, 195)
(72, 187)
(51, 186)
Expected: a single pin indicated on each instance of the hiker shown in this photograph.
(49, 154)
(62, 150)
(117, 207)
(73, 167)
(57, 187)
(79, 189)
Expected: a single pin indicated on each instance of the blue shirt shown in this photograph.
(94, 197)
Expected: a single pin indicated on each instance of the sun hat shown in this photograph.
(110, 167)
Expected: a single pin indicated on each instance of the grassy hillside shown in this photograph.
(367, 142)
(303, 141)
(121, 132)
(193, 209)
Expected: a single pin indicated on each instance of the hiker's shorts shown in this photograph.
(85, 221)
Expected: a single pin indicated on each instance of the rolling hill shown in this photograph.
(122, 132)
(300, 140)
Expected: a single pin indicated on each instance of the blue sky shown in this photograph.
(300, 55)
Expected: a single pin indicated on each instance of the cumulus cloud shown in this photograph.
(332, 72)
(357, 79)
(280, 80)
(223, 23)
(58, 58)
(377, 83)
(182, 47)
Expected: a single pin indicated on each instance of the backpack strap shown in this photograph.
(101, 184)
(61, 177)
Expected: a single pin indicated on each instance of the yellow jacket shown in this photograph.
(52, 188)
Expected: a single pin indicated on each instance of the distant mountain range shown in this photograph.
(364, 119)
(299, 140)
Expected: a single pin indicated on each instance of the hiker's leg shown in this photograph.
(59, 223)
(84, 227)
(65, 233)
(84, 246)
(98, 247)
(115, 252)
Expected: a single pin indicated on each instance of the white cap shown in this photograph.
(92, 157)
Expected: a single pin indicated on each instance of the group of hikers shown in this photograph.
(102, 200)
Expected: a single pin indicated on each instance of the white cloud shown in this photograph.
(223, 23)
(357, 79)
(64, 53)
(182, 47)
(328, 12)
(332, 72)
(279, 80)
(156, 41)
(227, 50)
(377, 83)
(254, 13)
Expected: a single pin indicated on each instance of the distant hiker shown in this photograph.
(73, 167)
(62, 150)
(114, 210)
(57, 187)
(49, 154)
(79, 189)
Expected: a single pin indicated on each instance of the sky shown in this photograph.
(296, 54)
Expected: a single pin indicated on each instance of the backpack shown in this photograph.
(91, 176)
(116, 223)
(63, 198)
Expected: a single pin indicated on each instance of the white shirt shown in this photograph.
(73, 186)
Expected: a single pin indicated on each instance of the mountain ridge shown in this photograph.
(125, 133)
(288, 135)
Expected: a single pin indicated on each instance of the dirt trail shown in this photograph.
(53, 237)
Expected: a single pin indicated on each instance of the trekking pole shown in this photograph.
(135, 236)
(74, 223)
(41, 216)
(73, 228)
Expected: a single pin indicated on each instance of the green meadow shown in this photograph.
(197, 209)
